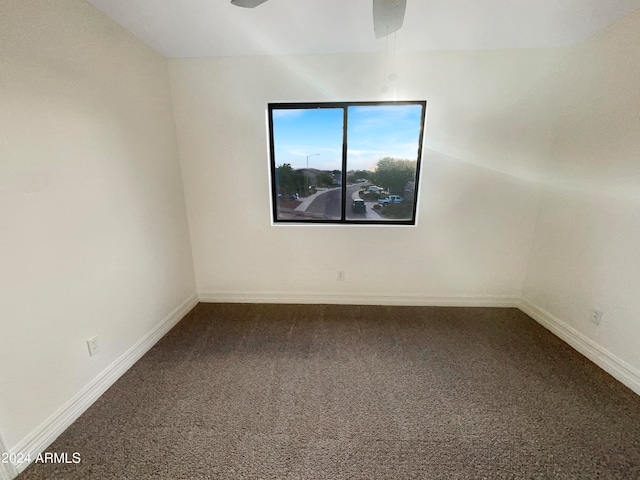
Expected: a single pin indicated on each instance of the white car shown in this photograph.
(391, 199)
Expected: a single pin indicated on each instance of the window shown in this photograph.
(354, 163)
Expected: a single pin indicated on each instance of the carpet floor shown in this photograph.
(361, 392)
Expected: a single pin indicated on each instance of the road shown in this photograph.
(329, 204)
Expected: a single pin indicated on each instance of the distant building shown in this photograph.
(311, 174)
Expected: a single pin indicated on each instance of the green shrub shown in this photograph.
(398, 210)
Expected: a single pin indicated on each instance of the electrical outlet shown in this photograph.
(340, 275)
(596, 316)
(92, 345)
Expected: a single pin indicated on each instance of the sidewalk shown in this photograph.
(306, 201)
(320, 191)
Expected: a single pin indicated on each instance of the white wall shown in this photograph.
(487, 129)
(94, 237)
(516, 141)
(586, 251)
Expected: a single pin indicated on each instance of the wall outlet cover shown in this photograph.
(92, 345)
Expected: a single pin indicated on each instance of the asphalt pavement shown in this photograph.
(354, 190)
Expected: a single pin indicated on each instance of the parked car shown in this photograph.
(390, 199)
(358, 206)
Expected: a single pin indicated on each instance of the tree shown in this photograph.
(289, 180)
(393, 174)
(354, 175)
(324, 179)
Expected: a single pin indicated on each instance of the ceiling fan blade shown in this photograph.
(388, 16)
(247, 3)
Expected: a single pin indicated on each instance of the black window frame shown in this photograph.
(343, 220)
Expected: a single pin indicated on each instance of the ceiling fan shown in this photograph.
(388, 15)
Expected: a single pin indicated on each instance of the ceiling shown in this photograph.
(211, 28)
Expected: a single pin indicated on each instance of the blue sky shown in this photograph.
(374, 132)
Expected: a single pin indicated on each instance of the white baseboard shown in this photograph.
(361, 299)
(606, 360)
(38, 440)
(7, 470)
(50, 429)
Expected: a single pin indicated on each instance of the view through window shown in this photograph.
(346, 162)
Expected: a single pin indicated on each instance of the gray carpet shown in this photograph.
(335, 392)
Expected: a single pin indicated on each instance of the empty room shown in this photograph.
(319, 239)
